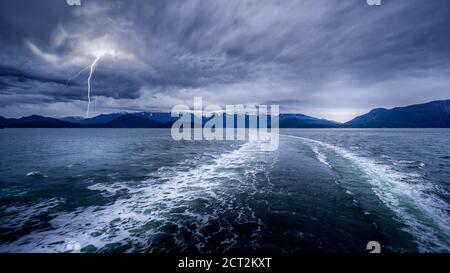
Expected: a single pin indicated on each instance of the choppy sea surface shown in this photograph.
(137, 190)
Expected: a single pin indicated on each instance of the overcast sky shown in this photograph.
(325, 58)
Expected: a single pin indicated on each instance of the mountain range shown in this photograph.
(434, 114)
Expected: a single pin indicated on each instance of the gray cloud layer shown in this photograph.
(320, 57)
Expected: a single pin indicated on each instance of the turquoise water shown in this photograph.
(137, 190)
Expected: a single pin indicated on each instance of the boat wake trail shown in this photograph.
(417, 205)
(181, 208)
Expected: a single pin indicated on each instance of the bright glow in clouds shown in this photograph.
(98, 49)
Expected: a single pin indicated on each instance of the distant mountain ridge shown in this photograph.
(146, 120)
(434, 114)
(134, 121)
(304, 121)
(36, 121)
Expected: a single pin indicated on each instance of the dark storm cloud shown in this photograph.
(15, 75)
(325, 58)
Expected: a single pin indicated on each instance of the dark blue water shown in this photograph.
(137, 190)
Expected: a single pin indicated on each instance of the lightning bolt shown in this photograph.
(91, 72)
(91, 69)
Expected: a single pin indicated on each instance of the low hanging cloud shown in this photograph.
(324, 58)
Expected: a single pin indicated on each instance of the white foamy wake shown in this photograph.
(424, 214)
(320, 156)
(179, 196)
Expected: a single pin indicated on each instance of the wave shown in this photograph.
(180, 205)
(36, 174)
(410, 163)
(19, 215)
(423, 212)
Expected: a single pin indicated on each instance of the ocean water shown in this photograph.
(137, 190)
